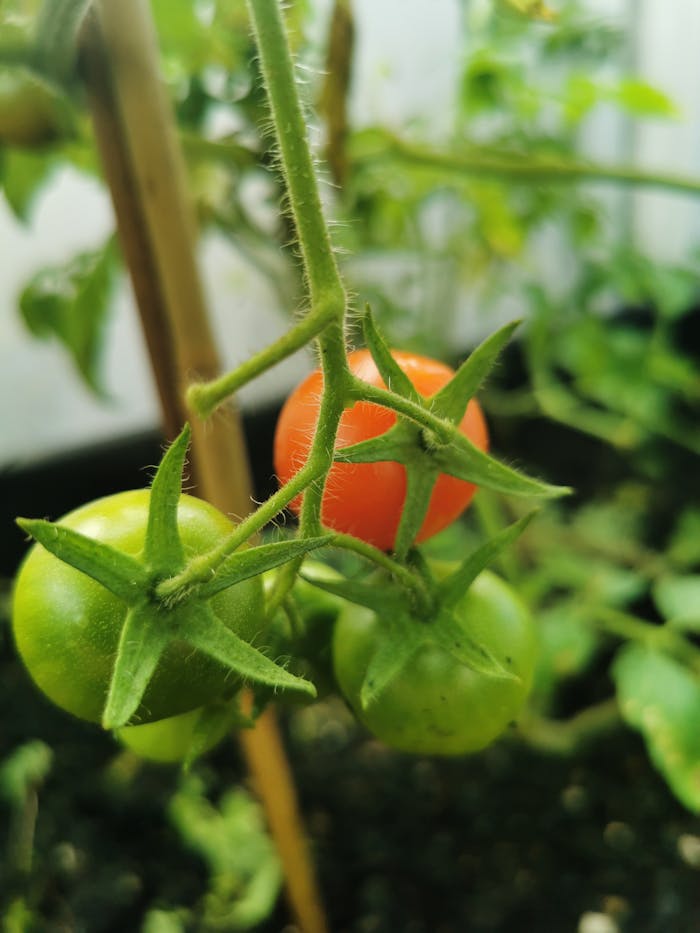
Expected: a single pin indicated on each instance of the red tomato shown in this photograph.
(366, 499)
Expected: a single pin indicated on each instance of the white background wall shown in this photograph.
(401, 71)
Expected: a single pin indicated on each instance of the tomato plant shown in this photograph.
(366, 499)
(437, 705)
(67, 625)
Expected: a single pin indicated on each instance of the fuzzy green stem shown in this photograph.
(200, 569)
(297, 166)
(399, 571)
(204, 397)
(443, 430)
(566, 737)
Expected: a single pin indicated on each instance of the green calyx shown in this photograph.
(153, 621)
(426, 438)
(407, 627)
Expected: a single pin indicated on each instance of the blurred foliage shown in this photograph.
(231, 838)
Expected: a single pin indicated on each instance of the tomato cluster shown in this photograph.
(67, 626)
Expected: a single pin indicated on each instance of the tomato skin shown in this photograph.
(67, 626)
(366, 499)
(168, 741)
(437, 706)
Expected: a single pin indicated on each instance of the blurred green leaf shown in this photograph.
(164, 921)
(71, 302)
(661, 698)
(245, 873)
(23, 174)
(684, 544)
(567, 644)
(641, 99)
(25, 768)
(678, 600)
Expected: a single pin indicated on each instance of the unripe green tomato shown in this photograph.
(437, 705)
(32, 112)
(310, 649)
(67, 626)
(169, 741)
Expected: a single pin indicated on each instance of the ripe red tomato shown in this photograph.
(366, 499)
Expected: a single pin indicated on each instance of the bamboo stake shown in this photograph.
(146, 174)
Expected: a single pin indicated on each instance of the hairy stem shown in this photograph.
(297, 166)
(204, 397)
(200, 569)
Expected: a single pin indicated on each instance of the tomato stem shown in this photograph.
(631, 628)
(204, 397)
(201, 569)
(405, 575)
(296, 162)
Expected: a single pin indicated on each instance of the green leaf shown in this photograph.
(684, 545)
(566, 643)
(465, 461)
(531, 9)
(379, 599)
(256, 560)
(392, 445)
(144, 637)
(209, 635)
(24, 173)
(453, 588)
(240, 856)
(642, 99)
(120, 573)
(398, 641)
(163, 551)
(677, 597)
(451, 401)
(71, 303)
(447, 632)
(661, 698)
(24, 769)
(392, 374)
(163, 921)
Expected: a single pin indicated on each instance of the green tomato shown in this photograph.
(437, 705)
(67, 626)
(317, 610)
(33, 112)
(169, 741)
